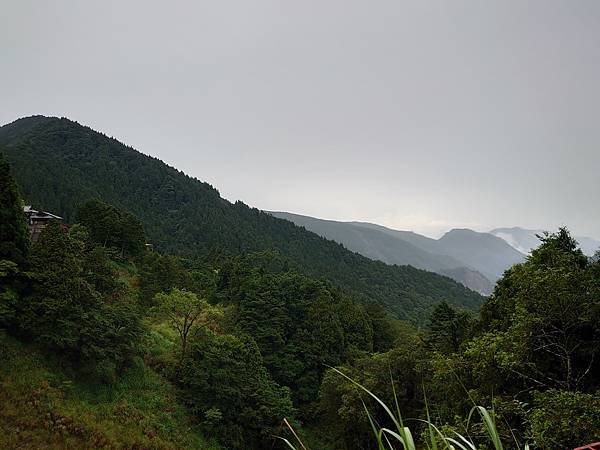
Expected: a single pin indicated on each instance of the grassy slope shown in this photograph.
(43, 407)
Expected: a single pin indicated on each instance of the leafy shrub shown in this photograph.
(225, 373)
(67, 315)
(110, 226)
(563, 419)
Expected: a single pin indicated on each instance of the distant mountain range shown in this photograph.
(524, 240)
(474, 259)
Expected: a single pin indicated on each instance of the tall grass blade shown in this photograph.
(446, 440)
(430, 426)
(490, 426)
(396, 400)
(288, 443)
(289, 426)
(458, 444)
(376, 432)
(465, 440)
(405, 438)
(399, 427)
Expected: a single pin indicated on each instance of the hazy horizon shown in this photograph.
(433, 233)
(417, 116)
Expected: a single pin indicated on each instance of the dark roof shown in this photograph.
(39, 214)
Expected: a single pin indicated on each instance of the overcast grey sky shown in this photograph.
(418, 115)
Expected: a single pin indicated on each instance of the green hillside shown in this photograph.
(44, 406)
(59, 164)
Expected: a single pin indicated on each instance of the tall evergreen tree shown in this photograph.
(224, 378)
(448, 328)
(68, 316)
(114, 227)
(14, 237)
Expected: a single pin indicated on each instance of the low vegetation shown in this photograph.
(46, 406)
(399, 435)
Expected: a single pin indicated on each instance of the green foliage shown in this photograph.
(385, 330)
(224, 379)
(396, 375)
(9, 277)
(66, 314)
(563, 419)
(159, 273)
(110, 226)
(14, 236)
(543, 321)
(448, 328)
(99, 274)
(392, 433)
(539, 332)
(184, 312)
(299, 324)
(45, 407)
(61, 164)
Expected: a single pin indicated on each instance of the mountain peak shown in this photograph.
(458, 231)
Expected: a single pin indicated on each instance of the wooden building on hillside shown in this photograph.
(37, 221)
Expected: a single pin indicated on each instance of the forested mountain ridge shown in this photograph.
(59, 164)
(382, 244)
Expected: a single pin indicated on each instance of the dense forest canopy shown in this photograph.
(59, 165)
(13, 230)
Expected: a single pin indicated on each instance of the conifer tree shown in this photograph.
(66, 313)
(14, 237)
(448, 328)
(114, 227)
